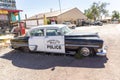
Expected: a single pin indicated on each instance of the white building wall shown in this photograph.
(33, 23)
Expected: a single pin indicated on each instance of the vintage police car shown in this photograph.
(59, 38)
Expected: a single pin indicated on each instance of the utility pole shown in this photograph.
(60, 5)
(25, 20)
(60, 11)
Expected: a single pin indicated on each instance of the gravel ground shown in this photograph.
(16, 65)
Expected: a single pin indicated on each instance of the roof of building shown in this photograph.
(52, 13)
(106, 18)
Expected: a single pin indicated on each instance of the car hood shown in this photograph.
(82, 34)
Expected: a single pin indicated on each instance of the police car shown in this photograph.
(59, 38)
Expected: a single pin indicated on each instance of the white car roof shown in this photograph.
(49, 26)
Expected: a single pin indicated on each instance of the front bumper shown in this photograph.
(102, 52)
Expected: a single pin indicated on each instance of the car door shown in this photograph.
(36, 40)
(54, 41)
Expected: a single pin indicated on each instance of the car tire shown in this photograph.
(83, 52)
(101, 24)
(25, 49)
(73, 27)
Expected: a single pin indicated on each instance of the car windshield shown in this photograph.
(65, 30)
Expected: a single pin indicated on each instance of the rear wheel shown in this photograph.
(25, 49)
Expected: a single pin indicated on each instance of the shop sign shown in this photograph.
(3, 12)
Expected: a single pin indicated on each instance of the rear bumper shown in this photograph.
(102, 52)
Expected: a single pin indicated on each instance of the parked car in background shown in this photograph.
(99, 23)
(59, 39)
(69, 24)
(86, 23)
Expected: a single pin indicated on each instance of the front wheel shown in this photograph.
(84, 52)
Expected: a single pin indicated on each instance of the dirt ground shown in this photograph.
(16, 65)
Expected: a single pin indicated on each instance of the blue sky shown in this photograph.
(32, 7)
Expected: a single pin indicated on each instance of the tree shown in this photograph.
(96, 10)
(102, 9)
(89, 14)
(115, 14)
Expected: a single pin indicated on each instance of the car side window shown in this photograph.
(52, 32)
(37, 32)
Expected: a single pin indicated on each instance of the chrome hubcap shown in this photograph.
(85, 51)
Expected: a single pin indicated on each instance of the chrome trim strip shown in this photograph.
(20, 44)
(82, 45)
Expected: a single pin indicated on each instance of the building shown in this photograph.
(106, 19)
(8, 15)
(73, 15)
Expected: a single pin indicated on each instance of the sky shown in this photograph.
(32, 7)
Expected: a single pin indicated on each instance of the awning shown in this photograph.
(11, 10)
